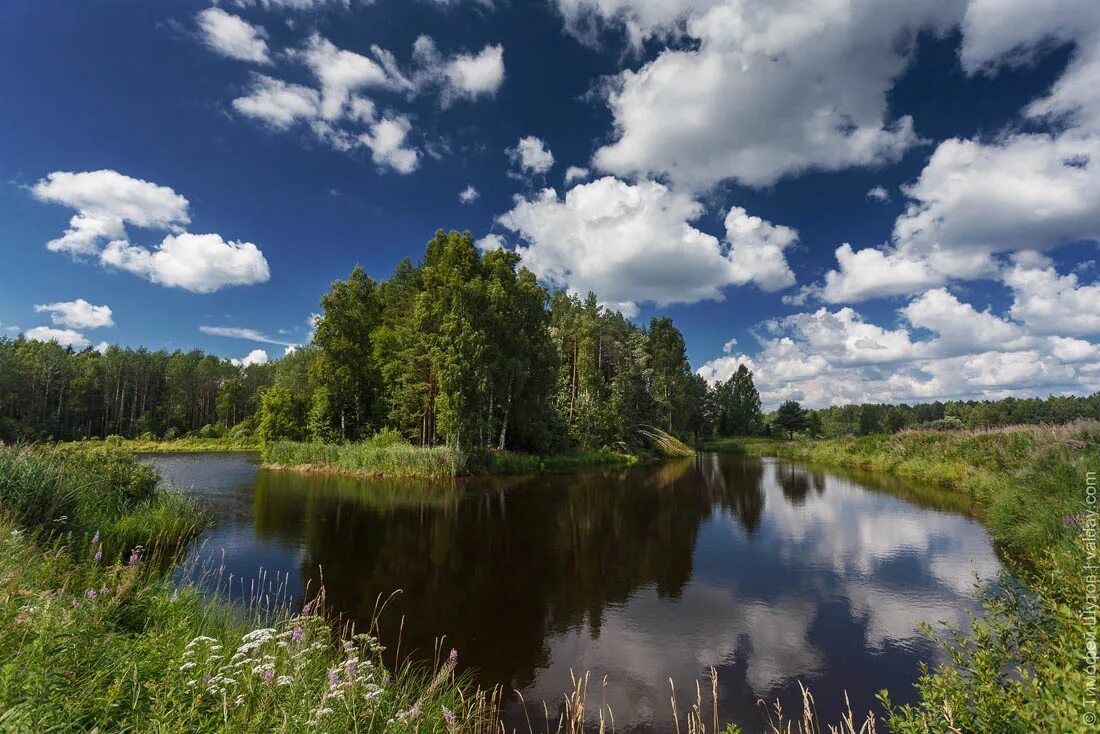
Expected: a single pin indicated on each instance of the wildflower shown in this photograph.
(284, 680)
(449, 716)
(269, 675)
(297, 635)
(353, 670)
(411, 714)
(186, 666)
(307, 609)
(90, 593)
(105, 590)
(386, 680)
(95, 538)
(98, 555)
(76, 604)
(135, 556)
(333, 678)
(454, 656)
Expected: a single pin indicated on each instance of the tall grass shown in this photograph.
(100, 490)
(1027, 665)
(400, 460)
(112, 647)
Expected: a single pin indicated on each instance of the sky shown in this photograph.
(862, 200)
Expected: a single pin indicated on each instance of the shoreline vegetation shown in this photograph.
(96, 635)
(389, 455)
(1024, 665)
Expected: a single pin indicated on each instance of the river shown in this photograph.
(773, 572)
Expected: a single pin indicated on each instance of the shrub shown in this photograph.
(211, 430)
(388, 437)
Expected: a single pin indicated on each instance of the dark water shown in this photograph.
(772, 572)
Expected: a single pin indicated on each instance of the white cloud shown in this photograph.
(490, 242)
(575, 173)
(237, 332)
(468, 195)
(633, 243)
(341, 72)
(78, 314)
(201, 263)
(277, 103)
(105, 201)
(978, 199)
(471, 75)
(231, 36)
(754, 92)
(1050, 303)
(836, 357)
(756, 250)
(256, 356)
(386, 140)
(102, 347)
(303, 5)
(531, 155)
(878, 193)
(64, 337)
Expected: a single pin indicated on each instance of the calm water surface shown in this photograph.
(771, 571)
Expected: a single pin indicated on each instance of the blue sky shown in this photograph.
(863, 200)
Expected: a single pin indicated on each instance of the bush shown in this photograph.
(388, 437)
(242, 431)
(171, 434)
(211, 430)
(948, 423)
(147, 436)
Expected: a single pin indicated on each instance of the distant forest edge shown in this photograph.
(464, 349)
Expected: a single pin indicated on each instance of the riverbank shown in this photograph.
(96, 638)
(1026, 666)
(403, 460)
(170, 446)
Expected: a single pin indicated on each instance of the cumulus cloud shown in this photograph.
(338, 111)
(575, 173)
(475, 75)
(202, 263)
(978, 199)
(278, 104)
(944, 349)
(1050, 303)
(490, 242)
(64, 337)
(468, 195)
(754, 92)
(531, 155)
(238, 332)
(78, 314)
(878, 193)
(256, 356)
(107, 200)
(302, 5)
(230, 36)
(633, 243)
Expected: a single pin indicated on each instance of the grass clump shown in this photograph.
(392, 459)
(99, 490)
(150, 445)
(113, 647)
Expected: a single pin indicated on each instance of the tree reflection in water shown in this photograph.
(771, 571)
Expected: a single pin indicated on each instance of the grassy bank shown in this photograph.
(95, 638)
(170, 446)
(1024, 667)
(403, 460)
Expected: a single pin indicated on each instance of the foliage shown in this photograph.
(93, 646)
(791, 417)
(737, 404)
(81, 490)
(363, 458)
(50, 391)
(1025, 666)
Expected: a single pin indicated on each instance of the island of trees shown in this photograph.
(464, 349)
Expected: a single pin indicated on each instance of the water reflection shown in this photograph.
(771, 571)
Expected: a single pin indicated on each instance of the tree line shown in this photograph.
(463, 348)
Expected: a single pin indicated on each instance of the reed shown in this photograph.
(400, 460)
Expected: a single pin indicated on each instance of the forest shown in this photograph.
(464, 349)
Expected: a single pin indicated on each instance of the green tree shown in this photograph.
(790, 417)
